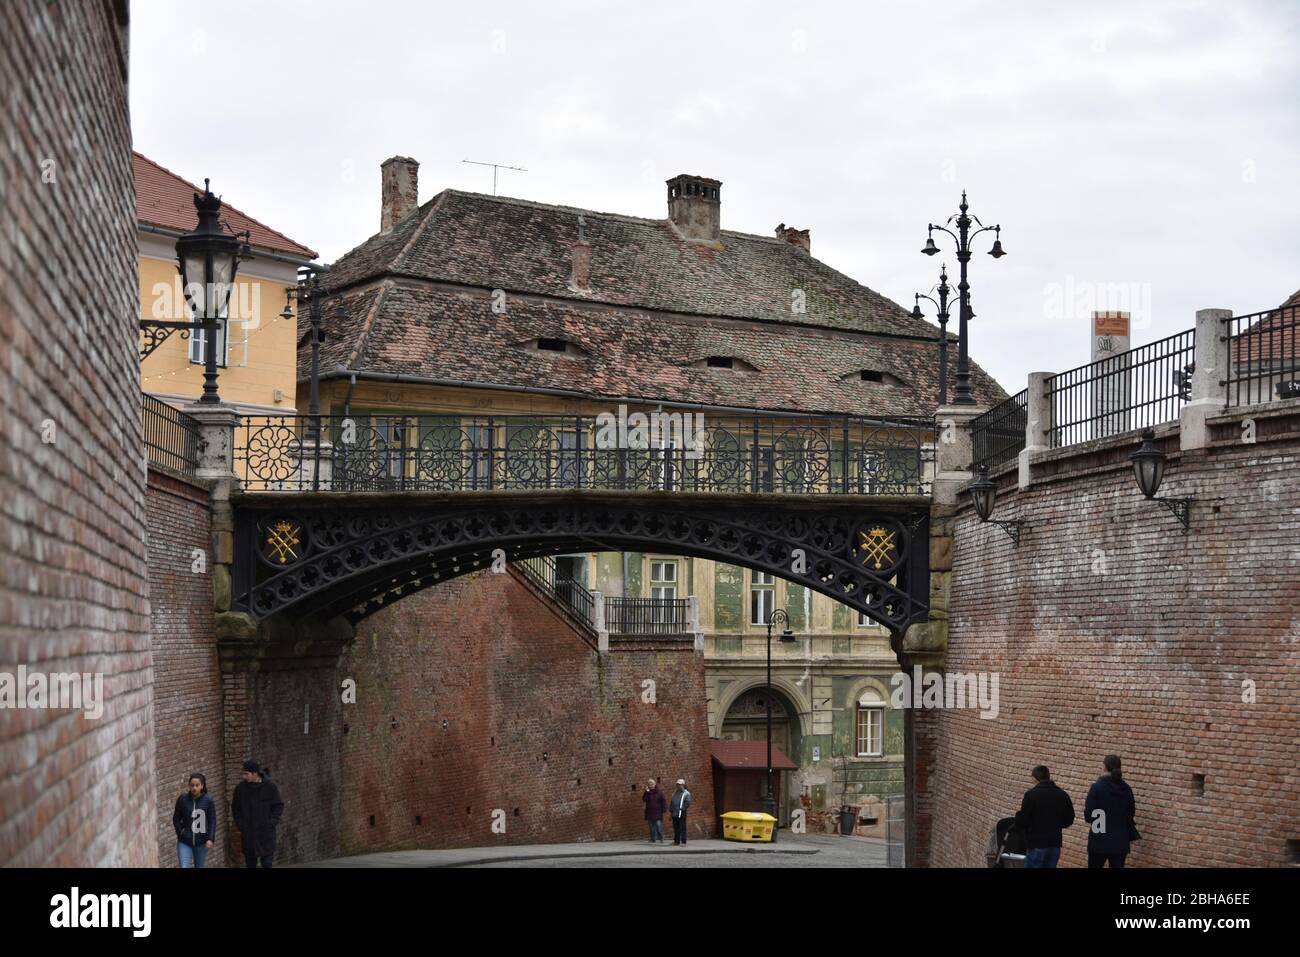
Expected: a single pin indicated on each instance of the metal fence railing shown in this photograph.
(647, 616)
(171, 437)
(1263, 356)
(1142, 387)
(998, 435)
(571, 595)
(803, 455)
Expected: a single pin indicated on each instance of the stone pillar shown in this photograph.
(953, 455)
(693, 621)
(1038, 424)
(216, 469)
(309, 467)
(1211, 366)
(598, 622)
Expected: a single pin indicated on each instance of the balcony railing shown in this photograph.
(1136, 389)
(171, 437)
(998, 435)
(647, 616)
(1263, 357)
(571, 595)
(806, 455)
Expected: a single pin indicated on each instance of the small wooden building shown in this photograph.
(740, 775)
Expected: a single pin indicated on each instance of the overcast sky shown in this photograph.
(1140, 156)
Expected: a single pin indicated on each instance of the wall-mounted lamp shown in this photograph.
(1149, 470)
(983, 492)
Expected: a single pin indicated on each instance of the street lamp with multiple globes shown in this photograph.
(780, 617)
(963, 238)
(941, 303)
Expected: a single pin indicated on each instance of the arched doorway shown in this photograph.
(746, 720)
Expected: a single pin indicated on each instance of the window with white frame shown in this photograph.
(198, 347)
(663, 588)
(762, 597)
(870, 725)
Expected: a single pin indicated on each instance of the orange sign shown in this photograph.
(1110, 323)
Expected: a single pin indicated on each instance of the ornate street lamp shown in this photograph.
(983, 493)
(963, 238)
(207, 259)
(780, 617)
(941, 303)
(1149, 471)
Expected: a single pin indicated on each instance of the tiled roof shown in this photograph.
(164, 199)
(417, 302)
(749, 754)
(1274, 338)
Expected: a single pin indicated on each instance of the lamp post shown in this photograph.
(308, 290)
(207, 259)
(778, 616)
(943, 290)
(963, 238)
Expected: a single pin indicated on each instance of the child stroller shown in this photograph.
(1007, 845)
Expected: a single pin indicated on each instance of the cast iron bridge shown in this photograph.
(350, 517)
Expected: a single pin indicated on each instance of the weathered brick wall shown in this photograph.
(73, 581)
(474, 695)
(187, 683)
(1114, 633)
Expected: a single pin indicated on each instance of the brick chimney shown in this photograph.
(693, 206)
(580, 259)
(400, 176)
(795, 237)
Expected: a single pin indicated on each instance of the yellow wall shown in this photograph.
(271, 351)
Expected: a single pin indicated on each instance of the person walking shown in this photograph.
(1044, 813)
(654, 811)
(677, 808)
(1110, 810)
(257, 807)
(195, 823)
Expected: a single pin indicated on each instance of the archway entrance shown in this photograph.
(746, 720)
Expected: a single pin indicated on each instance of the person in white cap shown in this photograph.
(680, 803)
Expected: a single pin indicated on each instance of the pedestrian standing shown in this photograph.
(654, 811)
(1044, 812)
(257, 807)
(677, 808)
(195, 822)
(1111, 811)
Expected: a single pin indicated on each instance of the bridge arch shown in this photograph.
(335, 555)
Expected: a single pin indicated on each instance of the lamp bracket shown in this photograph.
(1012, 528)
(1181, 509)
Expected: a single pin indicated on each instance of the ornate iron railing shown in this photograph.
(806, 455)
(647, 616)
(571, 595)
(998, 435)
(171, 437)
(1136, 389)
(1263, 357)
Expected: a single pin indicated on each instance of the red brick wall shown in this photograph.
(1114, 633)
(187, 680)
(72, 555)
(474, 695)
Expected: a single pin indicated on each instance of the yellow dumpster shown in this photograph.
(747, 826)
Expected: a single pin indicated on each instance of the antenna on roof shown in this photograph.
(495, 167)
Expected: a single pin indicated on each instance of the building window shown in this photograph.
(762, 597)
(870, 725)
(663, 589)
(198, 347)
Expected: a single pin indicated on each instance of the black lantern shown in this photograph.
(207, 259)
(778, 616)
(983, 493)
(1149, 471)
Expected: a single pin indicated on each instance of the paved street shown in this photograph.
(792, 851)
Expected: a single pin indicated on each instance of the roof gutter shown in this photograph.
(354, 375)
(256, 252)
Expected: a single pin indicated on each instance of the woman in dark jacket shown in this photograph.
(1110, 811)
(655, 803)
(195, 821)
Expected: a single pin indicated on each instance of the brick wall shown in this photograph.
(474, 696)
(187, 681)
(1114, 633)
(72, 476)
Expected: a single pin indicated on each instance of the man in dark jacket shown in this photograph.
(195, 822)
(654, 811)
(1045, 811)
(1110, 810)
(257, 808)
(678, 805)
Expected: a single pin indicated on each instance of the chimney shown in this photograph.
(693, 205)
(400, 175)
(580, 259)
(795, 237)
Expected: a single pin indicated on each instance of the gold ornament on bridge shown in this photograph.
(282, 540)
(878, 549)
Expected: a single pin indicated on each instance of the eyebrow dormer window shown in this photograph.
(719, 362)
(724, 362)
(876, 375)
(552, 345)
